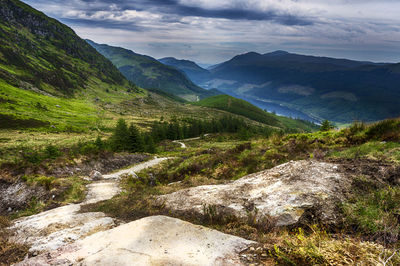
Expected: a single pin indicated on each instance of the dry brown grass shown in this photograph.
(9, 252)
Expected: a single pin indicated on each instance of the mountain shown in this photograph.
(42, 52)
(310, 87)
(50, 76)
(147, 72)
(241, 107)
(195, 73)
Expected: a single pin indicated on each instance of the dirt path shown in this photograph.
(60, 226)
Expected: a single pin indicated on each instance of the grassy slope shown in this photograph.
(246, 109)
(150, 73)
(40, 52)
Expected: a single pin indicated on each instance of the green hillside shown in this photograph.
(149, 73)
(246, 109)
(48, 55)
(49, 77)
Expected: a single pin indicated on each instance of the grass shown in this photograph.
(374, 214)
(60, 191)
(317, 247)
(239, 107)
(9, 252)
(374, 150)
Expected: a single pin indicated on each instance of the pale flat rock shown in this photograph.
(155, 240)
(284, 193)
(61, 226)
(57, 227)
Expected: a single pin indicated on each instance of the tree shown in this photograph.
(326, 126)
(99, 143)
(150, 146)
(135, 139)
(119, 139)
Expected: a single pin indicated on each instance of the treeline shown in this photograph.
(131, 139)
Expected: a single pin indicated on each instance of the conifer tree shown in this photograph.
(326, 126)
(119, 139)
(135, 139)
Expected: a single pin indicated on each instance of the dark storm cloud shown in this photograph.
(111, 24)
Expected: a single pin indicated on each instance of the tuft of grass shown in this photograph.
(320, 248)
(75, 191)
(375, 150)
(375, 214)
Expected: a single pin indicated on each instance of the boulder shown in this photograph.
(95, 175)
(282, 194)
(155, 240)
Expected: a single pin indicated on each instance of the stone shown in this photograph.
(282, 194)
(173, 242)
(95, 175)
(55, 228)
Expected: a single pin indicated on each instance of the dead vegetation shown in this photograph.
(9, 252)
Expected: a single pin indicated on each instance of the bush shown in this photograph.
(385, 130)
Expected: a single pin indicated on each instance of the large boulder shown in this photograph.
(155, 240)
(282, 194)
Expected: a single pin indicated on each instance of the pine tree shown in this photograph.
(150, 146)
(326, 126)
(119, 139)
(99, 143)
(135, 139)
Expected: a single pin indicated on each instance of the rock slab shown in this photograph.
(154, 240)
(282, 193)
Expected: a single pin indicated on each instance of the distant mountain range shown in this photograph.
(308, 87)
(149, 73)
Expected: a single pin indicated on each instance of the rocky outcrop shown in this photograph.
(155, 240)
(58, 227)
(283, 194)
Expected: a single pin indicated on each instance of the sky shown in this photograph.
(213, 31)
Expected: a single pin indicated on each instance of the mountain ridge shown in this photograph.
(340, 90)
(149, 73)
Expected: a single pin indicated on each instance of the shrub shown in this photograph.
(51, 152)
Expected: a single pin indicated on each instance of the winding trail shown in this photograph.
(55, 228)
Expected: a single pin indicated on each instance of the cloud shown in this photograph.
(217, 30)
